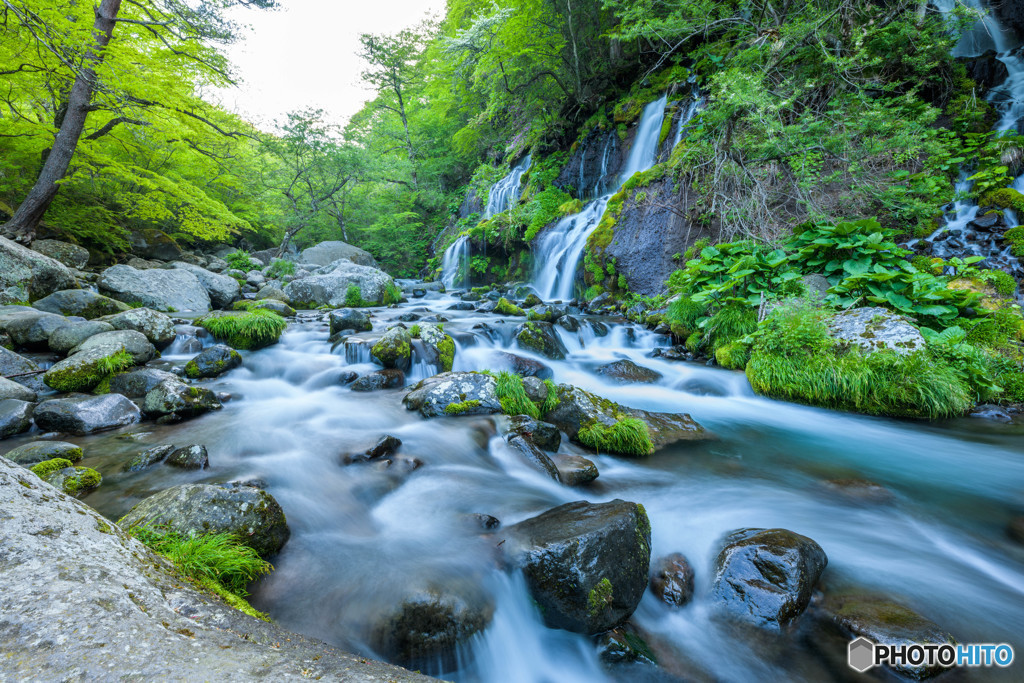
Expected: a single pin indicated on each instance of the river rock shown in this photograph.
(29, 328)
(163, 290)
(213, 362)
(532, 455)
(349, 319)
(575, 470)
(15, 417)
(585, 564)
(73, 333)
(468, 393)
(394, 349)
(387, 445)
(73, 481)
(672, 580)
(542, 434)
(249, 513)
(86, 414)
(151, 243)
(19, 369)
(147, 458)
(541, 338)
(135, 343)
(222, 289)
(330, 284)
(875, 329)
(389, 378)
(437, 347)
(80, 302)
(157, 327)
(255, 279)
(462, 306)
(11, 389)
(279, 307)
(176, 400)
(524, 367)
(138, 382)
(192, 457)
(83, 371)
(26, 275)
(766, 576)
(41, 451)
(71, 255)
(627, 372)
(326, 253)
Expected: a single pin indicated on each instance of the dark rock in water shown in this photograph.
(569, 323)
(884, 622)
(487, 307)
(249, 513)
(987, 222)
(192, 457)
(628, 372)
(86, 414)
(623, 645)
(418, 292)
(859, 490)
(347, 377)
(409, 317)
(213, 362)
(19, 369)
(1015, 529)
(15, 417)
(524, 367)
(471, 296)
(486, 522)
(81, 302)
(381, 379)
(177, 399)
(600, 303)
(672, 580)
(429, 624)
(461, 306)
(676, 353)
(542, 434)
(40, 451)
(766, 576)
(532, 455)
(987, 70)
(541, 338)
(454, 393)
(148, 458)
(575, 470)
(585, 564)
(138, 382)
(385, 446)
(987, 411)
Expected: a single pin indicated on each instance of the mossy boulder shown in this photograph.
(39, 451)
(541, 338)
(134, 343)
(585, 564)
(193, 457)
(255, 329)
(74, 481)
(394, 349)
(86, 414)
(173, 399)
(71, 255)
(74, 333)
(876, 329)
(473, 393)
(213, 362)
(438, 348)
(86, 369)
(80, 302)
(506, 307)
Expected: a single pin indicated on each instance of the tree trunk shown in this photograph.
(23, 223)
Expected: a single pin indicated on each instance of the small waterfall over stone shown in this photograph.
(455, 264)
(559, 250)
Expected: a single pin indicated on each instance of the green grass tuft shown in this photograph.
(512, 396)
(392, 295)
(628, 436)
(551, 402)
(280, 267)
(253, 330)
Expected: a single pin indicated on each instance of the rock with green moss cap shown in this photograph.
(249, 331)
(173, 399)
(455, 393)
(506, 307)
(74, 481)
(394, 349)
(80, 302)
(39, 451)
(213, 361)
(15, 417)
(541, 338)
(86, 414)
(438, 347)
(86, 369)
(585, 564)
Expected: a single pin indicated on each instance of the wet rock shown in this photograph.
(524, 367)
(329, 286)
(766, 576)
(29, 328)
(535, 389)
(347, 377)
(82, 371)
(71, 255)
(151, 243)
(381, 379)
(585, 564)
(326, 253)
(487, 307)
(569, 323)
(672, 580)
(270, 292)
(86, 414)
(628, 372)
(532, 455)
(575, 470)
(987, 70)
(148, 458)
(135, 343)
(485, 522)
(71, 334)
(222, 289)
(15, 417)
(213, 362)
(192, 457)
(11, 389)
(987, 411)
(540, 337)
(471, 297)
(26, 275)
(858, 490)
(437, 347)
(874, 329)
(80, 302)
(19, 369)
(349, 319)
(394, 349)
(385, 446)
(461, 306)
(157, 327)
(138, 382)
(675, 353)
(623, 645)
(177, 399)
(542, 434)
(249, 513)
(163, 290)
(41, 451)
(454, 393)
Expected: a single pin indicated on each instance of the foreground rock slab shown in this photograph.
(108, 586)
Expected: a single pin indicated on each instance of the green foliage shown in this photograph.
(253, 330)
(48, 467)
(733, 356)
(512, 396)
(279, 268)
(354, 297)
(392, 295)
(446, 353)
(460, 408)
(1001, 281)
(240, 260)
(599, 597)
(551, 401)
(628, 436)
(506, 307)
(414, 331)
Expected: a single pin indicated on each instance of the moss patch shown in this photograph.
(506, 307)
(253, 330)
(600, 597)
(628, 436)
(460, 408)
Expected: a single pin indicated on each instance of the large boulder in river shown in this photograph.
(29, 328)
(74, 578)
(213, 361)
(349, 319)
(41, 451)
(163, 290)
(329, 286)
(766, 576)
(875, 329)
(173, 399)
(81, 302)
(157, 327)
(454, 393)
(134, 343)
(326, 253)
(223, 289)
(541, 338)
(585, 564)
(11, 389)
(394, 349)
(74, 333)
(26, 275)
(86, 369)
(86, 414)
(15, 417)
(71, 255)
(251, 514)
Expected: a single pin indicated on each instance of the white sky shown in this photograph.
(304, 55)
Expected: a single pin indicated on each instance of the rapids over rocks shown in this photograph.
(364, 538)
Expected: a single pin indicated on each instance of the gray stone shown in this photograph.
(330, 285)
(215, 264)
(469, 393)
(532, 455)
(29, 328)
(157, 327)
(177, 399)
(223, 289)
(86, 414)
(15, 417)
(349, 319)
(627, 372)
(389, 378)
(575, 470)
(542, 434)
(19, 369)
(192, 457)
(11, 389)
(41, 451)
(131, 341)
(326, 253)
(71, 255)
(522, 366)
(164, 290)
(875, 329)
(80, 302)
(255, 279)
(213, 362)
(72, 334)
(138, 382)
(271, 291)
(148, 458)
(26, 275)
(151, 243)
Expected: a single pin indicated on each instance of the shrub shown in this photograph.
(628, 436)
(280, 267)
(354, 297)
(253, 330)
(733, 356)
(392, 295)
(239, 260)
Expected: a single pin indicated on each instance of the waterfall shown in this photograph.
(455, 264)
(697, 101)
(559, 250)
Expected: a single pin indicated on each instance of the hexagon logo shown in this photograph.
(861, 654)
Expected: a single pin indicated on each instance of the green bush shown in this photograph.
(239, 260)
(733, 356)
(628, 436)
(392, 295)
(354, 297)
(253, 330)
(280, 267)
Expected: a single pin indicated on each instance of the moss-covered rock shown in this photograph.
(473, 393)
(394, 349)
(86, 369)
(61, 474)
(506, 307)
(541, 338)
(39, 451)
(80, 302)
(213, 362)
(248, 331)
(173, 399)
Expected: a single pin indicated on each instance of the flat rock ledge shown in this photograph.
(82, 601)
